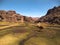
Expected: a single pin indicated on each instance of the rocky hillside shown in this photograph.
(12, 16)
(52, 16)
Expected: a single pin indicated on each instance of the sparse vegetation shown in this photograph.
(29, 35)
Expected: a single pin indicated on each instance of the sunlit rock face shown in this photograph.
(12, 16)
(2, 15)
(52, 16)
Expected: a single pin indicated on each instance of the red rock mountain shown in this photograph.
(52, 16)
(12, 16)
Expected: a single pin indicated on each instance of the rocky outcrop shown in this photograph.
(52, 16)
(28, 19)
(12, 16)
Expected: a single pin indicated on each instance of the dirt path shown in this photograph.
(10, 39)
(28, 37)
(8, 26)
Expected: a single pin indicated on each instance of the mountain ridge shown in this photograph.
(12, 16)
(52, 16)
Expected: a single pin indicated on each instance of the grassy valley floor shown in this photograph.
(26, 34)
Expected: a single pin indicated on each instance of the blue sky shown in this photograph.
(33, 8)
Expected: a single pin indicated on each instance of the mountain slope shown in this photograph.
(12, 16)
(52, 16)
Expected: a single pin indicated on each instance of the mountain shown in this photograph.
(12, 16)
(52, 16)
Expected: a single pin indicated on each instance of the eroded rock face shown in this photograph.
(52, 16)
(12, 16)
(2, 15)
(28, 19)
